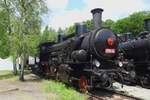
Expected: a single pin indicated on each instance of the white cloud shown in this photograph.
(116, 8)
(57, 4)
(113, 9)
(67, 18)
(116, 5)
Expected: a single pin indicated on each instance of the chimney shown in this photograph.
(80, 28)
(97, 17)
(147, 24)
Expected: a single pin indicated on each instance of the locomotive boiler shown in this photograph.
(87, 58)
(137, 52)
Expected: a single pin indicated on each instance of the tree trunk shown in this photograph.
(14, 66)
(21, 68)
(35, 62)
(21, 76)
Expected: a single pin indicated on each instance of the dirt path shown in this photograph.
(31, 89)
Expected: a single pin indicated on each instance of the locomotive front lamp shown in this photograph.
(120, 64)
(96, 63)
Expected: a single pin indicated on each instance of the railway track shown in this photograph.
(108, 94)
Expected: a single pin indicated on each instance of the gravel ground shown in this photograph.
(31, 89)
(135, 91)
(28, 90)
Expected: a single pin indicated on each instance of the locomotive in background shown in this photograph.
(136, 57)
(85, 58)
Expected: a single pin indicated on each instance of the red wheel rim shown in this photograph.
(83, 84)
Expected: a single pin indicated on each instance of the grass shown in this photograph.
(61, 91)
(53, 90)
(7, 74)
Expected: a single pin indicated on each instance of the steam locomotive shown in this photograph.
(136, 55)
(85, 59)
(95, 58)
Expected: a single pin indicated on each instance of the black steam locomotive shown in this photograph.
(85, 58)
(95, 58)
(136, 58)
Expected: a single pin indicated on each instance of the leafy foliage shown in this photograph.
(69, 30)
(108, 23)
(89, 24)
(4, 43)
(20, 28)
(134, 23)
(48, 34)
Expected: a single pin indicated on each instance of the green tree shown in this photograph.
(89, 24)
(7, 7)
(134, 23)
(30, 12)
(24, 25)
(4, 43)
(108, 23)
(60, 31)
(48, 34)
(69, 30)
(121, 26)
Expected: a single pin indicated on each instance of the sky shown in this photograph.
(63, 13)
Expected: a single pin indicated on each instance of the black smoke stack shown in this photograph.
(97, 17)
(147, 24)
(80, 28)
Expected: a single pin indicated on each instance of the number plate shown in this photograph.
(110, 51)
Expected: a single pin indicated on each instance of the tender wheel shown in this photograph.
(145, 82)
(83, 84)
